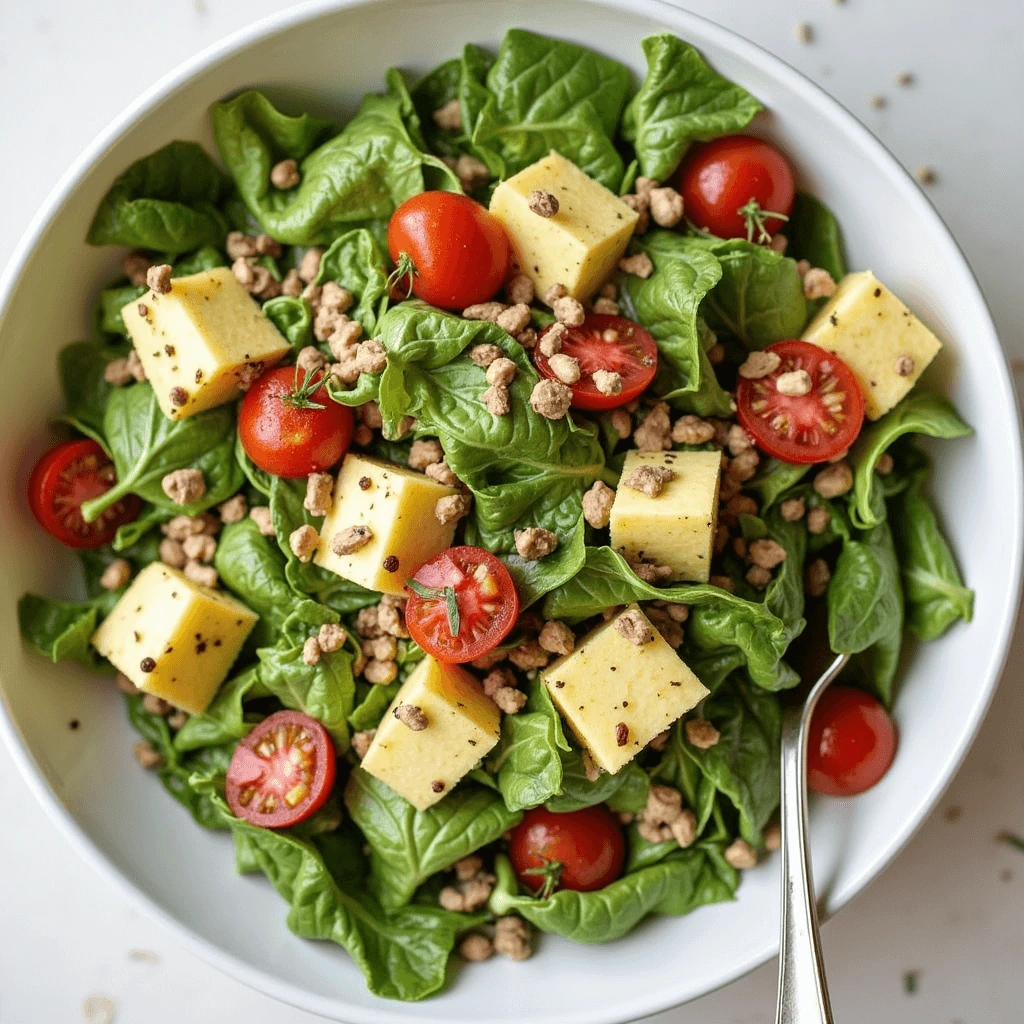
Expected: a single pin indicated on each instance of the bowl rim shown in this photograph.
(827, 107)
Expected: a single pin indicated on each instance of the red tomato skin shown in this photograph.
(720, 177)
(56, 490)
(588, 843)
(323, 779)
(636, 357)
(287, 441)
(460, 250)
(810, 356)
(852, 742)
(424, 627)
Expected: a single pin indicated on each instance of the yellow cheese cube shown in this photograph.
(677, 528)
(397, 505)
(580, 245)
(877, 336)
(462, 725)
(617, 695)
(200, 339)
(174, 638)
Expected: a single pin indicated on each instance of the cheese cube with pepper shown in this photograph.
(202, 342)
(580, 245)
(382, 526)
(174, 638)
(621, 687)
(437, 729)
(877, 336)
(676, 526)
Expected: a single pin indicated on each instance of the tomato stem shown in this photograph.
(300, 397)
(405, 268)
(756, 219)
(551, 872)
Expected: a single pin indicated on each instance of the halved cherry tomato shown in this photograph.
(289, 426)
(611, 343)
(462, 604)
(852, 742)
(730, 187)
(64, 478)
(282, 772)
(813, 427)
(460, 251)
(581, 850)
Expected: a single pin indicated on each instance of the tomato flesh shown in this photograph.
(852, 742)
(68, 475)
(814, 427)
(283, 437)
(582, 850)
(605, 342)
(282, 772)
(719, 178)
(460, 251)
(485, 596)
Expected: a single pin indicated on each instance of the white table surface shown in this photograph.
(951, 907)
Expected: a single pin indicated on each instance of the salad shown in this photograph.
(450, 486)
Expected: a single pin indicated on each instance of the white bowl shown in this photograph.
(322, 57)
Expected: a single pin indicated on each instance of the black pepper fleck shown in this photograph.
(74, 724)
(169, 349)
(365, 483)
(179, 396)
(201, 647)
(147, 664)
(391, 563)
(437, 786)
(621, 734)
(878, 293)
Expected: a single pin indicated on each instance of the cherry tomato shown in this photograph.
(460, 251)
(291, 428)
(730, 186)
(462, 604)
(282, 772)
(813, 427)
(582, 850)
(64, 478)
(852, 742)
(606, 342)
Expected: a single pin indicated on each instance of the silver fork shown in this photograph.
(803, 991)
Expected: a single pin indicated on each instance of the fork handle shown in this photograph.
(803, 992)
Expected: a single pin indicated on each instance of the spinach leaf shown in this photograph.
(166, 201)
(681, 771)
(681, 101)
(760, 298)
(355, 179)
(80, 367)
(325, 691)
(784, 596)
(60, 630)
(260, 479)
(403, 955)
(865, 605)
(176, 770)
(293, 317)
(921, 413)
(145, 446)
(528, 758)
(370, 710)
(253, 568)
(718, 619)
(935, 593)
(523, 469)
(224, 720)
(542, 94)
(744, 764)
(814, 235)
(680, 883)
(407, 846)
(431, 93)
(356, 262)
(626, 790)
(667, 304)
(774, 478)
